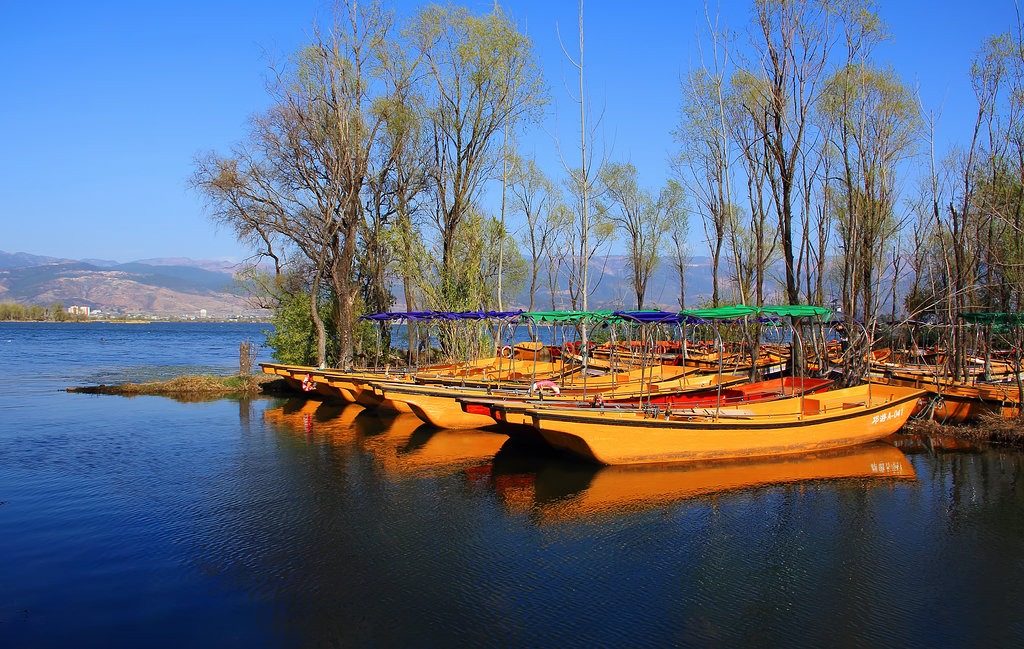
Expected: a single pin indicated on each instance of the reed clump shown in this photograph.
(988, 428)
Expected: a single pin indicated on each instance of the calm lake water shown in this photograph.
(146, 522)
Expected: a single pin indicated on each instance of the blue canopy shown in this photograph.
(651, 317)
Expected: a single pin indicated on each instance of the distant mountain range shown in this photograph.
(182, 287)
(612, 285)
(175, 287)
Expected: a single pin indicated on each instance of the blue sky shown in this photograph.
(106, 103)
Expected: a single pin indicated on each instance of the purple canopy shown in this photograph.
(651, 317)
(425, 316)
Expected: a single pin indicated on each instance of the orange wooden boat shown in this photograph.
(439, 405)
(517, 414)
(844, 417)
(957, 402)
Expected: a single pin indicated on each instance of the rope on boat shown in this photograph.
(929, 410)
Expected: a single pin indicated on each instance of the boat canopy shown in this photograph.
(796, 311)
(650, 317)
(762, 313)
(992, 318)
(693, 316)
(566, 316)
(731, 312)
(425, 316)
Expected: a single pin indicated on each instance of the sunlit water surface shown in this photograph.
(146, 522)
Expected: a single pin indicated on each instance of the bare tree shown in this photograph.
(537, 199)
(875, 127)
(302, 171)
(792, 41)
(679, 234)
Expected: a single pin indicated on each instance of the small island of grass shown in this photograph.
(194, 387)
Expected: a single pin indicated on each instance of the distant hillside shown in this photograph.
(23, 259)
(182, 287)
(613, 287)
(177, 287)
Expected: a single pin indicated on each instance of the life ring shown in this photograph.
(308, 384)
(540, 385)
(506, 351)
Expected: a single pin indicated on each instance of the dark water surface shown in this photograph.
(146, 522)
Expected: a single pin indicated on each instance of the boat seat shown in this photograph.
(710, 412)
(824, 404)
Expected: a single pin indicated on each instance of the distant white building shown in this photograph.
(202, 313)
(79, 310)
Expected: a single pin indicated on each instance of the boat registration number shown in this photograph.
(887, 467)
(886, 416)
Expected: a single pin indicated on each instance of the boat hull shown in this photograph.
(958, 402)
(431, 405)
(620, 438)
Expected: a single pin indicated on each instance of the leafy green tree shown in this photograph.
(294, 337)
(482, 74)
(644, 221)
(12, 312)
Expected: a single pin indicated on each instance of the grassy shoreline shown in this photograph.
(204, 386)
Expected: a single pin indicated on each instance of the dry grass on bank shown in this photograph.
(990, 428)
(192, 388)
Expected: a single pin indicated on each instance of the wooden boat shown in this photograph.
(286, 372)
(439, 405)
(569, 377)
(518, 413)
(435, 405)
(768, 361)
(735, 393)
(957, 402)
(340, 385)
(886, 361)
(834, 419)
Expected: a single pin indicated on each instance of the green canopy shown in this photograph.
(730, 312)
(796, 310)
(566, 316)
(736, 311)
(992, 318)
(722, 313)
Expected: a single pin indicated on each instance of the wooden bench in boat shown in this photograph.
(737, 413)
(825, 403)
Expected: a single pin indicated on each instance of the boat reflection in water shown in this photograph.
(931, 443)
(407, 446)
(316, 419)
(400, 444)
(561, 491)
(529, 478)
